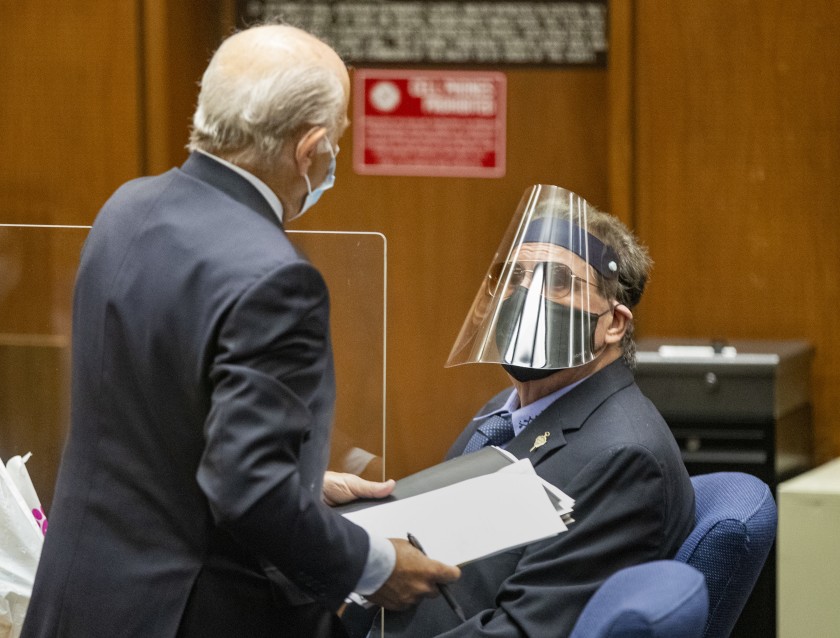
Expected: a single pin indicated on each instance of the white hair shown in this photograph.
(248, 116)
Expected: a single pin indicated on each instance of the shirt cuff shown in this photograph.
(381, 560)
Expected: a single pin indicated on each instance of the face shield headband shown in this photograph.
(571, 237)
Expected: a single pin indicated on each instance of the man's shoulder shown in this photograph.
(140, 188)
(630, 415)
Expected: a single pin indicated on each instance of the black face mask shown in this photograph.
(558, 318)
(528, 374)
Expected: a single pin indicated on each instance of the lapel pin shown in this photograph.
(540, 440)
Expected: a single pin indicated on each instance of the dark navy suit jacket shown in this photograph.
(610, 450)
(202, 397)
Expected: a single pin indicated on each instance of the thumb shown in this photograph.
(448, 573)
(371, 489)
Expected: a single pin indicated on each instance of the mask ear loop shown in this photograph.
(333, 155)
(611, 310)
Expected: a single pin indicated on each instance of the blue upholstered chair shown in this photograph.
(660, 599)
(734, 531)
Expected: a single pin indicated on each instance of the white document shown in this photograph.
(565, 503)
(471, 519)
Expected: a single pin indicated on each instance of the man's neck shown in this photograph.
(530, 391)
(280, 179)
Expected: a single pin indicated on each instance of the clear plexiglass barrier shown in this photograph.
(37, 271)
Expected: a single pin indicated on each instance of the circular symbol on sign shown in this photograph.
(385, 96)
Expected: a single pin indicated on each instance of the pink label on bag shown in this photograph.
(41, 519)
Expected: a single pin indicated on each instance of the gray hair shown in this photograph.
(634, 265)
(247, 117)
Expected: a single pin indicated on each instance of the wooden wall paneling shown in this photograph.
(442, 234)
(620, 112)
(71, 135)
(69, 108)
(736, 153)
(97, 93)
(179, 37)
(34, 405)
(36, 284)
(115, 87)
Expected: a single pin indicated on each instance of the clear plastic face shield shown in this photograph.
(540, 304)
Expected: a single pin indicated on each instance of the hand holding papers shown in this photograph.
(473, 518)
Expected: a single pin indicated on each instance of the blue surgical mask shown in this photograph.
(313, 195)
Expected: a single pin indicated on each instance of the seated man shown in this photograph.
(555, 312)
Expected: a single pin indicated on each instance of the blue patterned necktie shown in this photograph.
(496, 430)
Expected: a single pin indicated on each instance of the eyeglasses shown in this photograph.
(557, 278)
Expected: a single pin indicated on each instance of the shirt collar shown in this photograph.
(257, 183)
(521, 417)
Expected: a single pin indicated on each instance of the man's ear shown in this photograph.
(307, 147)
(621, 319)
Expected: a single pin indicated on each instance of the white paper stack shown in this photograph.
(474, 518)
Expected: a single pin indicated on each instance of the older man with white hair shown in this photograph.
(191, 499)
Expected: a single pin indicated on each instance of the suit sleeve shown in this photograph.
(268, 374)
(619, 511)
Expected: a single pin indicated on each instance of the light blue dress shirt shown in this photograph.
(521, 417)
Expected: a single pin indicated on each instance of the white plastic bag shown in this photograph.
(16, 466)
(21, 539)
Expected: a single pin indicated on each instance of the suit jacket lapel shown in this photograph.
(233, 185)
(569, 413)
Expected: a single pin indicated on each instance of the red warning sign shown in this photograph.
(432, 123)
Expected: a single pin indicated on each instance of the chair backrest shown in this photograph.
(733, 534)
(659, 599)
